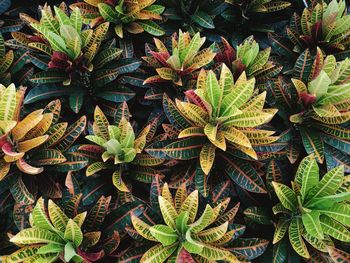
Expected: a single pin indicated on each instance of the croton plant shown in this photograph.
(194, 131)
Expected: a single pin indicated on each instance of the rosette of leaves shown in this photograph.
(37, 139)
(219, 114)
(324, 25)
(72, 60)
(249, 58)
(70, 47)
(316, 107)
(314, 209)
(120, 149)
(180, 66)
(187, 234)
(254, 15)
(52, 236)
(193, 15)
(19, 137)
(97, 243)
(35, 142)
(134, 17)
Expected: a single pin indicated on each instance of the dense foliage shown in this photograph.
(192, 131)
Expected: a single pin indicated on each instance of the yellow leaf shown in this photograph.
(207, 157)
(191, 131)
(118, 182)
(42, 127)
(236, 136)
(100, 126)
(194, 113)
(220, 141)
(27, 145)
(142, 228)
(166, 194)
(191, 206)
(28, 123)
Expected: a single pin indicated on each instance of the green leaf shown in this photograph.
(191, 245)
(168, 211)
(107, 12)
(202, 222)
(191, 206)
(39, 216)
(214, 92)
(203, 19)
(164, 234)
(36, 235)
(319, 86)
(311, 221)
(69, 252)
(57, 216)
(158, 253)
(280, 230)
(73, 233)
(295, 238)
(57, 42)
(151, 27)
(50, 248)
(286, 195)
(76, 19)
(334, 229)
(307, 175)
(329, 183)
(73, 40)
(181, 222)
(339, 212)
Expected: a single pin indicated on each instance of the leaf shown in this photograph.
(57, 216)
(334, 229)
(313, 143)
(214, 92)
(158, 253)
(118, 181)
(339, 212)
(164, 234)
(203, 19)
(244, 175)
(338, 255)
(307, 175)
(185, 149)
(168, 211)
(151, 27)
(213, 234)
(286, 195)
(319, 86)
(202, 222)
(250, 248)
(8, 103)
(107, 12)
(207, 157)
(280, 231)
(31, 236)
(295, 238)
(142, 228)
(311, 222)
(28, 123)
(73, 233)
(191, 206)
(329, 183)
